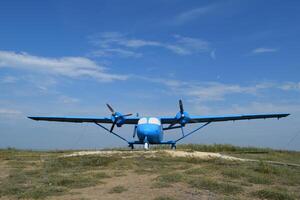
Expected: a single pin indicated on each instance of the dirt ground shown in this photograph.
(137, 186)
(148, 175)
(140, 185)
(4, 170)
(201, 155)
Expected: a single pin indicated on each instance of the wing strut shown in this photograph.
(197, 129)
(112, 132)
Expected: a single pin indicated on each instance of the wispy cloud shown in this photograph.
(193, 14)
(9, 79)
(116, 44)
(191, 45)
(109, 52)
(5, 112)
(290, 86)
(248, 108)
(215, 91)
(73, 67)
(68, 100)
(264, 50)
(218, 91)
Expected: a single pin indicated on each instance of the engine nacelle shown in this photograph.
(182, 118)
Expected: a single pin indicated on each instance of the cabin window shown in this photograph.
(143, 120)
(153, 120)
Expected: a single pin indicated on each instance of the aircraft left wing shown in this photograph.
(127, 120)
(203, 119)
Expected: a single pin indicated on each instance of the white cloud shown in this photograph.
(264, 50)
(192, 45)
(68, 100)
(73, 67)
(249, 108)
(192, 14)
(115, 51)
(114, 43)
(9, 112)
(139, 43)
(290, 86)
(9, 79)
(217, 91)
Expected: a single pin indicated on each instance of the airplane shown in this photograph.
(150, 130)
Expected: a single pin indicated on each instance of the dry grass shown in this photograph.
(39, 175)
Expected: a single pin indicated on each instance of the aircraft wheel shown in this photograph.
(131, 146)
(173, 147)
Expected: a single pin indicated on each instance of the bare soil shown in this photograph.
(138, 187)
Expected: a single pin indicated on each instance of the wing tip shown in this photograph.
(283, 115)
(33, 118)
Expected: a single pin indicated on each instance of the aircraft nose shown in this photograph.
(148, 130)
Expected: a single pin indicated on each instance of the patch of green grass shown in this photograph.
(72, 180)
(235, 173)
(100, 175)
(197, 171)
(266, 168)
(77, 163)
(271, 155)
(215, 186)
(158, 165)
(282, 174)
(273, 194)
(165, 180)
(54, 177)
(118, 189)
(41, 192)
(20, 185)
(260, 179)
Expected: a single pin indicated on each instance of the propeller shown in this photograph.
(181, 106)
(134, 131)
(116, 117)
(181, 117)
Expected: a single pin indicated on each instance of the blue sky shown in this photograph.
(220, 57)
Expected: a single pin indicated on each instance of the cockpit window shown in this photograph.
(153, 120)
(143, 120)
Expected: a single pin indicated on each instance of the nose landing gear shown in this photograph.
(146, 146)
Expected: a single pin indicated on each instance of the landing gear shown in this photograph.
(173, 146)
(131, 146)
(146, 146)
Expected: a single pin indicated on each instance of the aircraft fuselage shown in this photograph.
(149, 130)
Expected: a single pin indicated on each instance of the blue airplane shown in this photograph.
(150, 130)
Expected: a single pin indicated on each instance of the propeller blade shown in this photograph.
(173, 123)
(181, 106)
(112, 127)
(110, 108)
(134, 131)
(127, 115)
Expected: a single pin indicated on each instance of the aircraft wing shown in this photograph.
(203, 119)
(131, 120)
